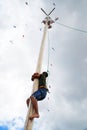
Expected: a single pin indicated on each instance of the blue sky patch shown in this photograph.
(3, 128)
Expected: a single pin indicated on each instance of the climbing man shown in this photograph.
(38, 95)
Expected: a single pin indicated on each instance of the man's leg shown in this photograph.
(35, 105)
(27, 101)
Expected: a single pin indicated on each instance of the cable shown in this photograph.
(76, 29)
(48, 53)
(48, 59)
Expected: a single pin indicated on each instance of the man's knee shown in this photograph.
(32, 97)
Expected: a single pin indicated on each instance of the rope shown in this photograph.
(76, 29)
(48, 61)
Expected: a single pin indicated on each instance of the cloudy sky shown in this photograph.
(21, 31)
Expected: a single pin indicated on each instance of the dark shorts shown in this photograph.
(40, 94)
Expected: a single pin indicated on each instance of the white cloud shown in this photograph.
(19, 48)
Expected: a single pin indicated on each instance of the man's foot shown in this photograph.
(27, 102)
(34, 116)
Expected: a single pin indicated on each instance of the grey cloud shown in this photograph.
(70, 55)
(69, 64)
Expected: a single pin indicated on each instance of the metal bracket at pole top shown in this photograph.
(48, 20)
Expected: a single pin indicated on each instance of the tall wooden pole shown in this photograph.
(48, 21)
(29, 123)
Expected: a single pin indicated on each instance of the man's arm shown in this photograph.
(35, 76)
